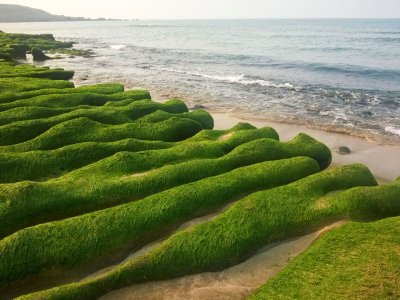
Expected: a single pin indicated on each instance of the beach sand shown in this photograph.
(241, 280)
(382, 159)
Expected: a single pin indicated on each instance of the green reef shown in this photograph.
(138, 222)
(360, 260)
(91, 174)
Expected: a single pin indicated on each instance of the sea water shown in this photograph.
(338, 74)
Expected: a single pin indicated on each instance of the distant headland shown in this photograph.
(17, 13)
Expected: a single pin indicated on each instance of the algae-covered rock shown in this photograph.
(19, 50)
(38, 54)
(343, 259)
(248, 225)
(139, 219)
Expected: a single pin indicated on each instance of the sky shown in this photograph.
(209, 9)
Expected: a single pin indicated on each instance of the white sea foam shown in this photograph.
(118, 47)
(221, 77)
(268, 83)
(392, 129)
(241, 78)
(236, 78)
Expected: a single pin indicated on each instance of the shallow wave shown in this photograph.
(266, 62)
(118, 47)
(355, 70)
(236, 78)
(348, 69)
(168, 26)
(387, 39)
(331, 49)
(392, 129)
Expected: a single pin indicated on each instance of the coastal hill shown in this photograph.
(19, 13)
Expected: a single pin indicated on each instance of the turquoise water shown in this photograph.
(341, 74)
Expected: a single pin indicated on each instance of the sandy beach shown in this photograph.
(382, 159)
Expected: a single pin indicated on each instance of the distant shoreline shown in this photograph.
(10, 13)
(77, 20)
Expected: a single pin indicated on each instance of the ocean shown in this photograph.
(337, 74)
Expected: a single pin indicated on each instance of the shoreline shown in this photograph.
(214, 105)
(382, 159)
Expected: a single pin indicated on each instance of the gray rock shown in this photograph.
(343, 150)
(197, 106)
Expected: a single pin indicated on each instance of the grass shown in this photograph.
(40, 165)
(110, 181)
(360, 260)
(66, 244)
(21, 131)
(110, 88)
(251, 223)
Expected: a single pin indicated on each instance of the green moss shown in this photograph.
(118, 103)
(29, 252)
(234, 235)
(19, 85)
(111, 88)
(85, 130)
(272, 134)
(55, 74)
(201, 116)
(6, 54)
(22, 131)
(110, 181)
(356, 261)
(74, 99)
(44, 41)
(17, 45)
(35, 112)
(42, 165)
(38, 54)
(19, 50)
(14, 71)
(39, 165)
